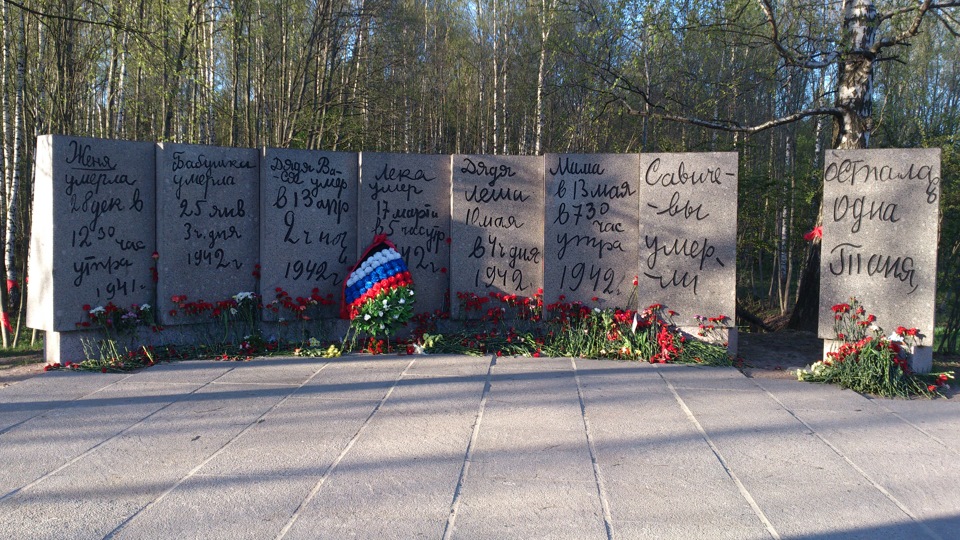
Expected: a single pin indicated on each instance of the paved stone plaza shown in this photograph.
(462, 447)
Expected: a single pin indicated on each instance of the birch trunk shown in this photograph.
(851, 131)
(855, 85)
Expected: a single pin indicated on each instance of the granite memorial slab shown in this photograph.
(93, 229)
(880, 231)
(590, 228)
(208, 224)
(497, 225)
(309, 224)
(407, 198)
(688, 234)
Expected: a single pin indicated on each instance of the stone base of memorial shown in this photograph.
(921, 360)
(730, 336)
(63, 347)
(77, 346)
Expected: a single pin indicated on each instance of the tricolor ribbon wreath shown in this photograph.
(381, 268)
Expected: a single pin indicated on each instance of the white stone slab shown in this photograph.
(93, 229)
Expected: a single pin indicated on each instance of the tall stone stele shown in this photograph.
(92, 238)
(407, 198)
(308, 229)
(688, 239)
(590, 225)
(496, 226)
(208, 225)
(880, 230)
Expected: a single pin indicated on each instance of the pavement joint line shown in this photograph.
(723, 462)
(193, 472)
(930, 532)
(269, 384)
(8, 428)
(468, 454)
(343, 453)
(90, 450)
(933, 437)
(591, 445)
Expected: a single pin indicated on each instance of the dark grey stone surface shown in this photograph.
(407, 197)
(497, 225)
(208, 226)
(93, 229)
(880, 230)
(688, 234)
(590, 226)
(309, 224)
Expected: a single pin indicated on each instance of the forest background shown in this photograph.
(777, 82)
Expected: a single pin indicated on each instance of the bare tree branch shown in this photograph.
(788, 55)
(948, 23)
(914, 28)
(732, 125)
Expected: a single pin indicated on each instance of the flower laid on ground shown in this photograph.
(866, 361)
(572, 329)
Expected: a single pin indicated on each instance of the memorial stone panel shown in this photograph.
(688, 234)
(407, 198)
(309, 215)
(208, 227)
(497, 225)
(880, 229)
(591, 226)
(93, 229)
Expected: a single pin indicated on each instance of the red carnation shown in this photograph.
(817, 232)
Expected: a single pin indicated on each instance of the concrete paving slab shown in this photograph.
(654, 462)
(291, 371)
(211, 449)
(451, 366)
(194, 371)
(303, 438)
(692, 523)
(527, 508)
(918, 474)
(790, 472)
(128, 471)
(213, 507)
(364, 525)
(48, 391)
(507, 364)
(706, 377)
(355, 377)
(55, 438)
(403, 467)
(937, 418)
(796, 395)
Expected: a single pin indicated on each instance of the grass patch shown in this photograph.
(23, 349)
